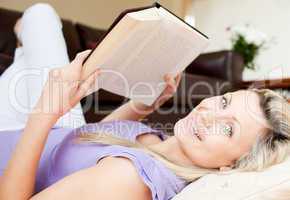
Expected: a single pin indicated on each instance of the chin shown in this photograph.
(180, 130)
(177, 128)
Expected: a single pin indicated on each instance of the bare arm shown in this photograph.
(19, 178)
(112, 178)
(129, 111)
(136, 111)
(61, 92)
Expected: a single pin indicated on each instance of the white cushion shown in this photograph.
(242, 185)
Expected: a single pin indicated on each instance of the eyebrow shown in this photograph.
(231, 96)
(233, 117)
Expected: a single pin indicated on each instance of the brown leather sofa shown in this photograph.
(210, 74)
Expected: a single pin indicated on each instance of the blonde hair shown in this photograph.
(274, 147)
(267, 151)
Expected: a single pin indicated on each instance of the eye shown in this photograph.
(224, 102)
(228, 130)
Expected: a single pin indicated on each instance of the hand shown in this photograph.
(64, 89)
(172, 84)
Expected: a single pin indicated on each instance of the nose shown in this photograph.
(207, 118)
(206, 114)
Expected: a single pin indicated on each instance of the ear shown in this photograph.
(227, 168)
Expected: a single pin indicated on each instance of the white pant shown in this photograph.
(21, 84)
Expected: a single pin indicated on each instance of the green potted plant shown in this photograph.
(248, 42)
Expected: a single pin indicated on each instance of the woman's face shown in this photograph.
(221, 129)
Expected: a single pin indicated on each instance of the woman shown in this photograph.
(243, 130)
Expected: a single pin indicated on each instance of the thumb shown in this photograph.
(85, 87)
(170, 82)
(80, 57)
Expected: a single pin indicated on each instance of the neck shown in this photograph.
(171, 150)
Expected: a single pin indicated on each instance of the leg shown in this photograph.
(42, 37)
(11, 117)
(43, 49)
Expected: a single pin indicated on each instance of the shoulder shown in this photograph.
(121, 168)
(120, 164)
(111, 178)
(148, 139)
(120, 174)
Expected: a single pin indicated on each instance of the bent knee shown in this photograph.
(41, 7)
(42, 12)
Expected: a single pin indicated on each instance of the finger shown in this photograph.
(178, 78)
(170, 83)
(80, 57)
(87, 84)
(94, 85)
(168, 78)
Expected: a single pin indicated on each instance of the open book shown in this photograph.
(140, 47)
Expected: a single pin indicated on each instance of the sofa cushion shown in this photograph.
(72, 38)
(226, 65)
(7, 36)
(8, 39)
(193, 88)
(244, 185)
(5, 61)
(89, 36)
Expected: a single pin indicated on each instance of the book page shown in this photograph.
(116, 37)
(152, 53)
(126, 69)
(146, 15)
(136, 66)
(164, 13)
(111, 43)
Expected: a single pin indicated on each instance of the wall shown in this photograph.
(269, 16)
(96, 13)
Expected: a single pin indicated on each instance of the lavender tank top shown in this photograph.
(63, 156)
